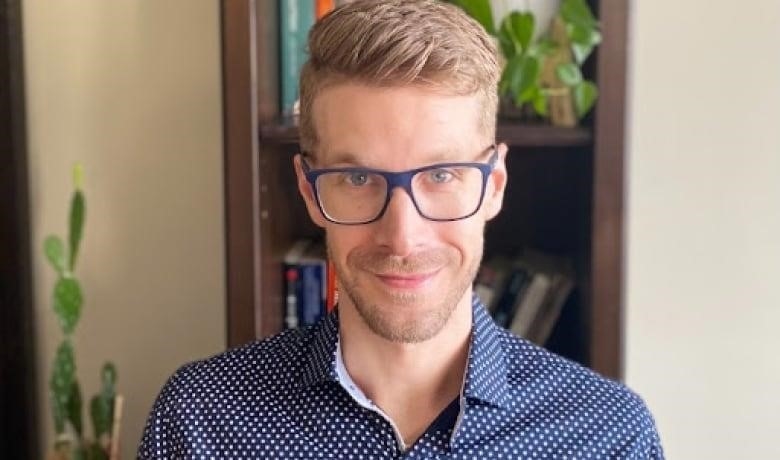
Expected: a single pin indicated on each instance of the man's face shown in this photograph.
(403, 274)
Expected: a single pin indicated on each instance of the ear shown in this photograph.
(494, 191)
(307, 193)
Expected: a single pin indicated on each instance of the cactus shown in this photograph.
(65, 392)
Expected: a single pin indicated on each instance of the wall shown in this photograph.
(131, 89)
(703, 219)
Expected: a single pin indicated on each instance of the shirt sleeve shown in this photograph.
(647, 444)
(162, 437)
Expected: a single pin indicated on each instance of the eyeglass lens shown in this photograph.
(439, 193)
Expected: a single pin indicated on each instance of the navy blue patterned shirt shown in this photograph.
(289, 397)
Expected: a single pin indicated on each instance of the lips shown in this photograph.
(406, 280)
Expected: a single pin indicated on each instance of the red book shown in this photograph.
(323, 7)
(332, 296)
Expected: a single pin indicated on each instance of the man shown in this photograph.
(399, 166)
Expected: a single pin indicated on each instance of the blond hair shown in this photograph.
(396, 43)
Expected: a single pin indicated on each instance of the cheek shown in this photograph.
(343, 239)
(465, 236)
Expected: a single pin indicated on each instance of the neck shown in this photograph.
(407, 380)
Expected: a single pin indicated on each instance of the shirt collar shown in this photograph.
(486, 374)
(320, 359)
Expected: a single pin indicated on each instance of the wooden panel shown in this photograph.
(606, 341)
(18, 417)
(242, 227)
(285, 131)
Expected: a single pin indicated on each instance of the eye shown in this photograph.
(440, 176)
(356, 178)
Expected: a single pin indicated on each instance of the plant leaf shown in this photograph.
(585, 95)
(95, 452)
(581, 52)
(108, 377)
(76, 225)
(101, 410)
(62, 376)
(74, 407)
(583, 40)
(530, 79)
(543, 47)
(522, 75)
(102, 405)
(67, 303)
(58, 412)
(583, 35)
(539, 102)
(480, 10)
(507, 39)
(577, 12)
(523, 28)
(569, 73)
(55, 252)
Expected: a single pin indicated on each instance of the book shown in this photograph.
(491, 280)
(530, 304)
(305, 274)
(323, 7)
(540, 330)
(331, 293)
(540, 310)
(291, 279)
(518, 281)
(295, 19)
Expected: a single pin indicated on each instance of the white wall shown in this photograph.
(131, 89)
(703, 223)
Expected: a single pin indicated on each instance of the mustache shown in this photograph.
(382, 262)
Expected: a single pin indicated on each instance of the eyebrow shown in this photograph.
(436, 156)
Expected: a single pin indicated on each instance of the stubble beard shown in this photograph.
(382, 321)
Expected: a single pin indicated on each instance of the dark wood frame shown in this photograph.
(18, 418)
(250, 177)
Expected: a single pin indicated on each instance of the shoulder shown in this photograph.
(573, 397)
(264, 363)
(247, 378)
(255, 370)
(531, 365)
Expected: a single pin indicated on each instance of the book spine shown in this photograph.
(505, 308)
(332, 294)
(291, 297)
(311, 301)
(295, 19)
(323, 7)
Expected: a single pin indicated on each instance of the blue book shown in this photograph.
(311, 301)
(305, 274)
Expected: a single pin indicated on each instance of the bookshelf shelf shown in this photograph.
(285, 132)
(564, 195)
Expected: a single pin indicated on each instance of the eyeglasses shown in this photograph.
(440, 192)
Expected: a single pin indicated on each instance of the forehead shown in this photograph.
(396, 127)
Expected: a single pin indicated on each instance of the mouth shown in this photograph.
(406, 281)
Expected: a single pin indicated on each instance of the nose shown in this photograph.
(401, 229)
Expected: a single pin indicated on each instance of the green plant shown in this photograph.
(65, 393)
(538, 70)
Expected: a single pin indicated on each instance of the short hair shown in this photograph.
(389, 43)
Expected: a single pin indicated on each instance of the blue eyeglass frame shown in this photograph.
(402, 179)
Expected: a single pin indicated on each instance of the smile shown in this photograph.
(406, 280)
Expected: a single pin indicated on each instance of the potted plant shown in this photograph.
(65, 393)
(542, 74)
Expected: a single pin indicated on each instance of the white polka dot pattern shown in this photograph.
(280, 398)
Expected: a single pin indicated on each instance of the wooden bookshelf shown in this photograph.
(565, 193)
(285, 131)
